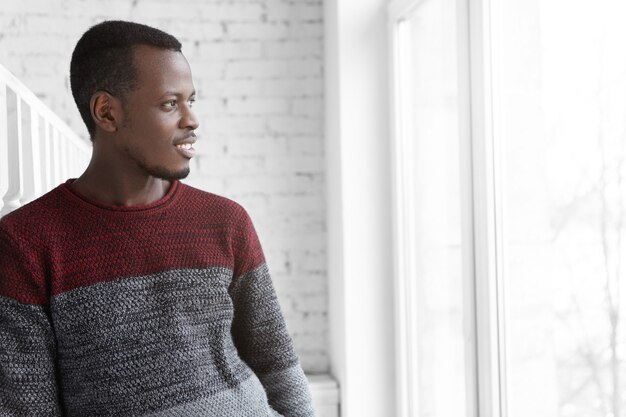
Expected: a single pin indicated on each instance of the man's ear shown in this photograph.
(106, 111)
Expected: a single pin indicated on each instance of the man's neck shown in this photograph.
(113, 190)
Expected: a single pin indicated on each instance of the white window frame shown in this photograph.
(482, 263)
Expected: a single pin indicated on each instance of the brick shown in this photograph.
(305, 67)
(314, 363)
(290, 204)
(257, 31)
(41, 84)
(309, 282)
(272, 184)
(12, 24)
(257, 69)
(207, 31)
(263, 146)
(307, 30)
(278, 261)
(312, 303)
(209, 106)
(309, 261)
(234, 125)
(50, 45)
(293, 49)
(229, 50)
(233, 88)
(171, 10)
(241, 12)
(277, 164)
(90, 8)
(295, 218)
(314, 340)
(41, 65)
(256, 106)
(310, 323)
(214, 185)
(253, 202)
(12, 7)
(306, 145)
(308, 12)
(282, 10)
(294, 87)
(277, 10)
(236, 166)
(295, 125)
(311, 107)
(204, 71)
(54, 25)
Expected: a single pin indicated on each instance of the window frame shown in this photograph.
(483, 290)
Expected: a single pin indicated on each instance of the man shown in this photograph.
(125, 292)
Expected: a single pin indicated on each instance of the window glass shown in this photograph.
(429, 142)
(560, 125)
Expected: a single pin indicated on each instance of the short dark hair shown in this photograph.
(103, 60)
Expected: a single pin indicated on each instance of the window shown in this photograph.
(510, 207)
(429, 231)
(561, 129)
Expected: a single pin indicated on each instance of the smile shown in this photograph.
(186, 149)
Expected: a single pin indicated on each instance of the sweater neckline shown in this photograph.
(172, 192)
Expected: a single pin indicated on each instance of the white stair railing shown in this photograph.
(37, 149)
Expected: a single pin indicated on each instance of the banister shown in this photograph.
(38, 150)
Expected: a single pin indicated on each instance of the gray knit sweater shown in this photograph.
(165, 309)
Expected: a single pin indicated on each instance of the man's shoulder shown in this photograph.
(208, 201)
(35, 214)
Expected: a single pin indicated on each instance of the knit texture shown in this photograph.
(165, 309)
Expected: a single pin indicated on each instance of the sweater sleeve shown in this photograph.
(28, 384)
(259, 330)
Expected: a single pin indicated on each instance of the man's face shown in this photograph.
(158, 128)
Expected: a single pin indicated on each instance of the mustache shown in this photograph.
(189, 136)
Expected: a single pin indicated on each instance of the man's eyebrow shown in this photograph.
(177, 94)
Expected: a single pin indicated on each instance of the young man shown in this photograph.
(125, 292)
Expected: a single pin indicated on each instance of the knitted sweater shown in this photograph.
(165, 309)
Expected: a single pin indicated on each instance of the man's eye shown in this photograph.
(171, 103)
(191, 102)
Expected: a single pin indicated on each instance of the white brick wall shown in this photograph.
(257, 66)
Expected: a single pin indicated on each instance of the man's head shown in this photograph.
(134, 90)
(104, 60)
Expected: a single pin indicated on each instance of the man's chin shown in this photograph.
(170, 175)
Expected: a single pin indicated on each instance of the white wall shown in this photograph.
(359, 207)
(257, 66)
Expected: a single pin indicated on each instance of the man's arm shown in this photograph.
(260, 334)
(28, 384)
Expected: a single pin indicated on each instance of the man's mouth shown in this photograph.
(185, 146)
(186, 149)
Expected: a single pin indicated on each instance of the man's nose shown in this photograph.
(189, 119)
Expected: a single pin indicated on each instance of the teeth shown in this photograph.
(185, 146)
